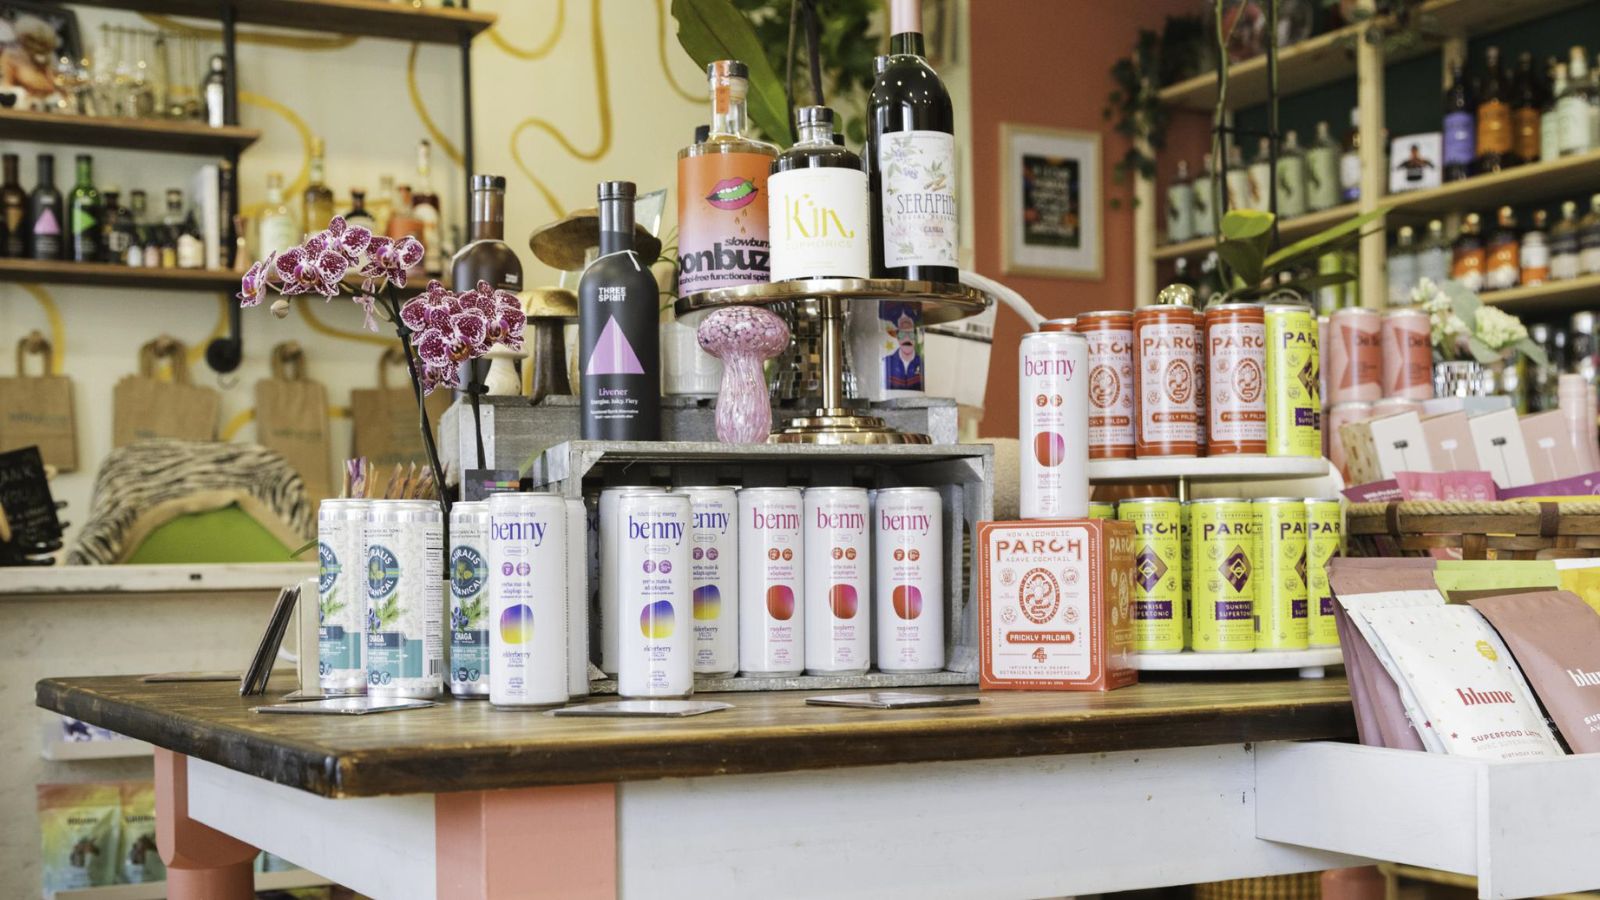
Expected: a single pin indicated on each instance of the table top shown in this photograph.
(470, 745)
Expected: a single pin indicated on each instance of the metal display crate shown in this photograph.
(962, 473)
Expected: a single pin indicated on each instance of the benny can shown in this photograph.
(469, 599)
(908, 579)
(1109, 343)
(653, 565)
(1164, 379)
(1100, 509)
(1406, 340)
(1236, 357)
(772, 621)
(527, 600)
(838, 584)
(405, 599)
(341, 596)
(1053, 393)
(1354, 356)
(1280, 616)
(714, 577)
(577, 599)
(1324, 530)
(609, 609)
(1294, 407)
(1222, 591)
(1157, 572)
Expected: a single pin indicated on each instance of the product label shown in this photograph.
(722, 221)
(713, 573)
(1111, 392)
(1525, 140)
(909, 579)
(404, 610)
(339, 611)
(820, 224)
(1180, 212)
(469, 615)
(771, 589)
(657, 643)
(1467, 266)
(1350, 177)
(1238, 407)
(1158, 619)
(1322, 177)
(1323, 520)
(278, 233)
(1407, 357)
(1281, 605)
(191, 252)
(1167, 388)
(527, 605)
(1294, 402)
(838, 583)
(1573, 128)
(886, 343)
(1535, 263)
(1494, 127)
(1291, 186)
(1358, 358)
(921, 221)
(1223, 589)
(1052, 413)
(1460, 138)
(1502, 266)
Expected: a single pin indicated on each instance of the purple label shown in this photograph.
(1297, 609)
(1236, 569)
(1460, 138)
(1235, 610)
(1578, 485)
(1149, 569)
(1305, 418)
(1149, 610)
(1326, 606)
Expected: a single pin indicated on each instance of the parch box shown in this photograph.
(1055, 605)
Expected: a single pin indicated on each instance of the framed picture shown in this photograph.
(1416, 162)
(1050, 206)
(32, 37)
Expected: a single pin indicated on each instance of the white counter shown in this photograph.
(150, 579)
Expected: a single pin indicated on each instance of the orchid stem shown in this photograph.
(393, 303)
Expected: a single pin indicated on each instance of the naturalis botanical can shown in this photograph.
(528, 568)
(1324, 530)
(1236, 355)
(1109, 336)
(838, 580)
(1281, 607)
(1164, 340)
(469, 599)
(1157, 572)
(772, 612)
(908, 579)
(1294, 406)
(653, 565)
(714, 578)
(1223, 560)
(341, 596)
(405, 599)
(1052, 379)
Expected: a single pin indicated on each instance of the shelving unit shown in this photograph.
(1311, 663)
(361, 18)
(43, 271)
(194, 138)
(1207, 468)
(1572, 294)
(1289, 230)
(1557, 179)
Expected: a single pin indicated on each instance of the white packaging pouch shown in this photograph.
(1468, 689)
(1358, 606)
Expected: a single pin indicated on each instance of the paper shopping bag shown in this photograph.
(386, 427)
(145, 406)
(292, 418)
(36, 410)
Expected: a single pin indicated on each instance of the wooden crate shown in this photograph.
(1502, 529)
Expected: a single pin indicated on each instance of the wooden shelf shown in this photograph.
(106, 275)
(1207, 468)
(1552, 296)
(1290, 230)
(195, 138)
(360, 18)
(1565, 178)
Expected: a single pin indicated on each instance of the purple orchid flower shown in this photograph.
(253, 286)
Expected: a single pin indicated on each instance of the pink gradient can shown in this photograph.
(1407, 350)
(1355, 355)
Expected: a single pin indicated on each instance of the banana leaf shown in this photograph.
(710, 30)
(1307, 249)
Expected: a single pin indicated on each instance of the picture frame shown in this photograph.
(1052, 224)
(26, 63)
(1416, 162)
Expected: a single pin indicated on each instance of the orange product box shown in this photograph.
(1055, 605)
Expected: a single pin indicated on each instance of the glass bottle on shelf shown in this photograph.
(1527, 101)
(1204, 197)
(1564, 244)
(1494, 117)
(115, 232)
(1350, 162)
(1402, 267)
(1503, 256)
(617, 326)
(819, 210)
(1433, 255)
(1238, 178)
(1573, 106)
(191, 248)
(1180, 206)
(425, 209)
(487, 256)
(171, 229)
(13, 210)
(723, 233)
(1259, 175)
(1460, 127)
(316, 203)
(358, 213)
(149, 234)
(382, 205)
(1535, 254)
(1550, 116)
(279, 229)
(1291, 178)
(1467, 256)
(1322, 171)
(84, 213)
(1589, 239)
(215, 92)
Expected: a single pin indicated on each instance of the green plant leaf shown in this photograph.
(1243, 258)
(1246, 224)
(1481, 351)
(1318, 243)
(710, 30)
(1535, 353)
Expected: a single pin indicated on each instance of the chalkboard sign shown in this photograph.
(26, 501)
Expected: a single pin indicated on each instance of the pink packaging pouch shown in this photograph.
(1555, 638)
(1377, 698)
(1576, 486)
(1385, 491)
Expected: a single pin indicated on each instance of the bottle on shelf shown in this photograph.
(116, 232)
(279, 230)
(486, 256)
(818, 206)
(382, 205)
(425, 209)
(190, 248)
(404, 223)
(1503, 255)
(358, 213)
(1527, 102)
(1238, 180)
(1180, 206)
(1433, 255)
(316, 203)
(1204, 197)
(1291, 178)
(1564, 244)
(13, 210)
(171, 229)
(1180, 273)
(1589, 239)
(1495, 132)
(1402, 267)
(618, 326)
(1573, 106)
(1322, 171)
(149, 233)
(214, 90)
(1541, 381)
(1550, 117)
(1460, 127)
(1535, 254)
(909, 117)
(1468, 257)
(1350, 162)
(1259, 175)
(84, 213)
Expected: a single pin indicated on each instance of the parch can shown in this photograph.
(714, 577)
(1354, 356)
(405, 599)
(528, 600)
(1324, 530)
(1109, 336)
(1407, 346)
(1202, 388)
(838, 584)
(653, 562)
(1065, 323)
(577, 599)
(469, 599)
(341, 596)
(609, 609)
(908, 579)
(1222, 591)
(1294, 408)
(772, 623)
(1100, 509)
(1053, 394)
(1157, 572)
(1281, 608)
(1236, 360)
(1164, 354)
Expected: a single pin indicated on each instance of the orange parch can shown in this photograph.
(1111, 382)
(1164, 342)
(1236, 357)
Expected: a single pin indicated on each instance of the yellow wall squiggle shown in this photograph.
(58, 329)
(238, 422)
(661, 46)
(544, 48)
(301, 178)
(602, 98)
(305, 304)
(439, 138)
(197, 352)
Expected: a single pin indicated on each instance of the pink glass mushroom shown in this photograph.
(744, 338)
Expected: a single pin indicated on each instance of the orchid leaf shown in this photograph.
(710, 30)
(1243, 258)
(1535, 353)
(1481, 351)
(1319, 243)
(1463, 302)
(1245, 224)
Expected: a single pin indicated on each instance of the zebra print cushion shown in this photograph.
(142, 476)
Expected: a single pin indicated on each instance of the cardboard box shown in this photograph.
(1055, 605)
(1497, 438)
(1377, 448)
(1450, 443)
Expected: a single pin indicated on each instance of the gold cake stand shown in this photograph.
(833, 422)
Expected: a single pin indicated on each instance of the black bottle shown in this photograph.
(618, 322)
(13, 212)
(45, 212)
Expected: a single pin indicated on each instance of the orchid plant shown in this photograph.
(1461, 324)
(439, 329)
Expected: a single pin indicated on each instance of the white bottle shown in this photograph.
(1433, 259)
(1550, 119)
(1239, 194)
(1577, 127)
(1322, 171)
(1180, 206)
(1291, 178)
(1350, 163)
(1260, 173)
(280, 230)
(1403, 266)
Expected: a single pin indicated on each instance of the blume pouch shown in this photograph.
(1359, 584)
(1401, 717)
(1555, 638)
(78, 829)
(1469, 692)
(138, 859)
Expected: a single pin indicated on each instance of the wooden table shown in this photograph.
(1026, 794)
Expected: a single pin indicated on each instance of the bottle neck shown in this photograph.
(907, 43)
(820, 133)
(905, 27)
(274, 194)
(616, 225)
(47, 172)
(487, 219)
(85, 172)
(729, 111)
(316, 171)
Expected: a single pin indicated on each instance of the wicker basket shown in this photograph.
(1504, 529)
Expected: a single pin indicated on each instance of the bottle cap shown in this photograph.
(701, 132)
(728, 68)
(813, 115)
(1175, 295)
(617, 190)
(488, 182)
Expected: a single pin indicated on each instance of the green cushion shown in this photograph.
(224, 535)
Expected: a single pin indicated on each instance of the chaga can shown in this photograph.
(528, 628)
(1236, 359)
(1223, 562)
(1164, 340)
(1407, 346)
(469, 599)
(405, 599)
(1109, 334)
(838, 584)
(1157, 572)
(1355, 356)
(1281, 616)
(342, 596)
(657, 642)
(1324, 533)
(1053, 397)
(1294, 407)
(714, 568)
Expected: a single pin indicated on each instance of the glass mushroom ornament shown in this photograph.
(744, 338)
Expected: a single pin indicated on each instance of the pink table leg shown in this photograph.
(558, 842)
(202, 862)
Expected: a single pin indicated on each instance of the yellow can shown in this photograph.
(1222, 592)
(1280, 615)
(1294, 402)
(1324, 539)
(1157, 573)
(1099, 509)
(1188, 576)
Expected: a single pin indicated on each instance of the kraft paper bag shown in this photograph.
(292, 418)
(384, 420)
(36, 410)
(145, 406)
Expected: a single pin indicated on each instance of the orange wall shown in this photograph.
(1048, 62)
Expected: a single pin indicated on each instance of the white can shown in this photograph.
(608, 610)
(908, 579)
(772, 562)
(527, 600)
(341, 596)
(405, 599)
(714, 578)
(1054, 418)
(469, 599)
(653, 565)
(838, 584)
(577, 599)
